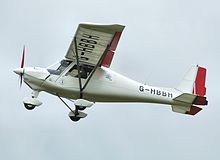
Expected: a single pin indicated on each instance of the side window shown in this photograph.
(73, 71)
(85, 70)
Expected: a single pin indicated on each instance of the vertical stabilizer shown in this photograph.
(187, 83)
(193, 92)
(194, 81)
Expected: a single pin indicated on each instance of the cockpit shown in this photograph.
(70, 69)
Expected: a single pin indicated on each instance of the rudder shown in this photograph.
(199, 86)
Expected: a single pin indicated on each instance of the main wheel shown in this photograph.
(74, 118)
(29, 106)
(81, 108)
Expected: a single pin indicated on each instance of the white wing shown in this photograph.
(94, 44)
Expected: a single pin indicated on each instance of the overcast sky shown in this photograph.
(161, 41)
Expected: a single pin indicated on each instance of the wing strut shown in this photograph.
(93, 71)
(78, 68)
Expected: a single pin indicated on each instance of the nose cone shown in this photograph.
(18, 70)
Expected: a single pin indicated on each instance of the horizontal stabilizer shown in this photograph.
(191, 99)
(181, 109)
(194, 110)
(186, 98)
(191, 110)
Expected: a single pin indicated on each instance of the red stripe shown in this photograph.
(108, 59)
(200, 101)
(200, 82)
(109, 56)
(194, 110)
(115, 41)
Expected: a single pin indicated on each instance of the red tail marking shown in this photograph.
(200, 101)
(194, 110)
(22, 59)
(200, 82)
(109, 56)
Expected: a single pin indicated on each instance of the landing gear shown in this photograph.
(31, 102)
(74, 118)
(74, 115)
(29, 106)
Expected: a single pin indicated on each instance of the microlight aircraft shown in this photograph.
(84, 77)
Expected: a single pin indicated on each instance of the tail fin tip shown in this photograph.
(194, 81)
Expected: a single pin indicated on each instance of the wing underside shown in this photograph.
(94, 44)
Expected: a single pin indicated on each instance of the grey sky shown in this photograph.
(162, 39)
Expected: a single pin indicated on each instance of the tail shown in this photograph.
(193, 92)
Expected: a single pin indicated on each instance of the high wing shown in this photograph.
(94, 44)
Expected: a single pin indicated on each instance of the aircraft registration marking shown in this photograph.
(156, 92)
(87, 45)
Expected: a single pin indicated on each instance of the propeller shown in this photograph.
(22, 60)
(20, 71)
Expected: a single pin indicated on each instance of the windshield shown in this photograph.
(58, 68)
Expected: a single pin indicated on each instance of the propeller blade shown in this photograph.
(22, 60)
(22, 67)
(21, 79)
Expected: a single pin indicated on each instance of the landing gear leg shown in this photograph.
(31, 102)
(75, 115)
(34, 94)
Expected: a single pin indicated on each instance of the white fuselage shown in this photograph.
(104, 86)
